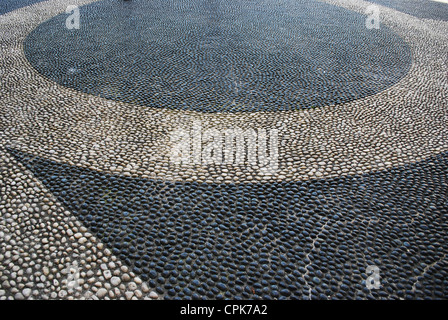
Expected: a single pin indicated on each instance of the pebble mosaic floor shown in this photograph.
(91, 207)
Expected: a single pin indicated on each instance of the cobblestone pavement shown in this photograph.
(207, 149)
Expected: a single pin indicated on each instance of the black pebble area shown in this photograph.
(311, 239)
(220, 56)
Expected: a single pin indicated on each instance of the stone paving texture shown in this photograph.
(92, 207)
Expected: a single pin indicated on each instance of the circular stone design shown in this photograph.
(220, 56)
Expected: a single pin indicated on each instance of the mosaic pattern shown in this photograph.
(91, 207)
(220, 56)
